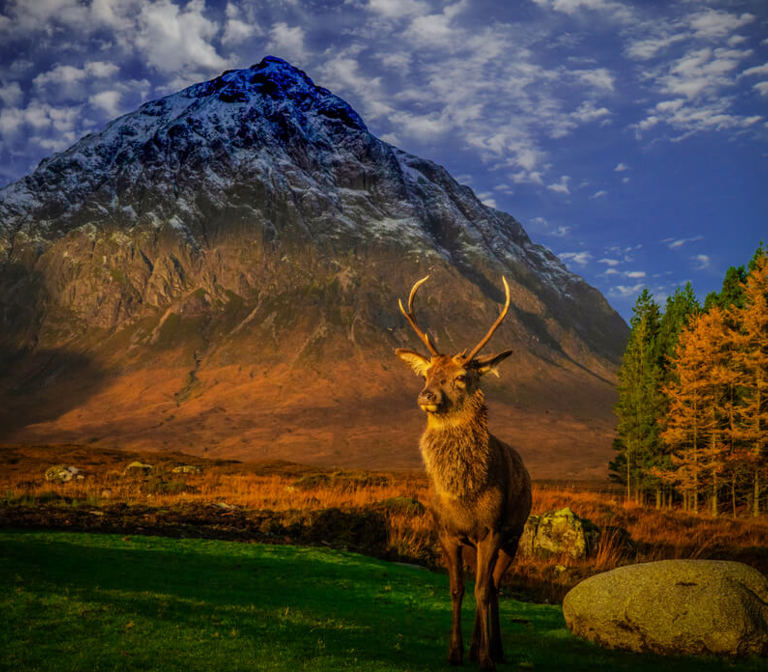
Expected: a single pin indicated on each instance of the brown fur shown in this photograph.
(480, 490)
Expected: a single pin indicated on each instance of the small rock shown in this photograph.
(186, 469)
(137, 468)
(405, 505)
(558, 532)
(681, 607)
(62, 474)
(106, 493)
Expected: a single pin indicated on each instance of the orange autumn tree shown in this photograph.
(693, 422)
(751, 363)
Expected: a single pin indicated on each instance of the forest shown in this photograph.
(693, 398)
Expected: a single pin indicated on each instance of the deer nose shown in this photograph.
(429, 397)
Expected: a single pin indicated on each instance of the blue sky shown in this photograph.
(629, 138)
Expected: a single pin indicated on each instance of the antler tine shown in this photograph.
(412, 319)
(494, 326)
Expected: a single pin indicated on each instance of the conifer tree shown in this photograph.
(752, 365)
(678, 310)
(693, 423)
(638, 388)
(732, 292)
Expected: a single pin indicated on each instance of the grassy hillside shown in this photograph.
(72, 601)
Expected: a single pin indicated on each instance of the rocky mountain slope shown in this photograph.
(218, 272)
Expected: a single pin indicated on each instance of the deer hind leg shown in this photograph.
(452, 550)
(503, 562)
(487, 552)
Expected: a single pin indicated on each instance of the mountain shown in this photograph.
(219, 270)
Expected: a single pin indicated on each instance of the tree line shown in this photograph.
(693, 397)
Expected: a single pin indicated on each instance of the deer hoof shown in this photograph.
(455, 657)
(487, 664)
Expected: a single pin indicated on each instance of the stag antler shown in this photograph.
(412, 319)
(493, 328)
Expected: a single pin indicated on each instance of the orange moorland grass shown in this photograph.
(284, 486)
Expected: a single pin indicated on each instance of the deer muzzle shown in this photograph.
(429, 401)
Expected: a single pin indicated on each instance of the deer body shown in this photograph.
(480, 491)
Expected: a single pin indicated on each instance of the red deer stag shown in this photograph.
(480, 491)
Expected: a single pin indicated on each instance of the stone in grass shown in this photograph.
(60, 473)
(687, 607)
(558, 532)
(186, 469)
(137, 467)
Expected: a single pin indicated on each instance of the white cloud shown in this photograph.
(396, 9)
(173, 39)
(540, 226)
(647, 48)
(288, 42)
(560, 187)
(635, 274)
(599, 78)
(608, 262)
(236, 30)
(762, 88)
(38, 117)
(757, 70)
(624, 291)
(65, 75)
(55, 144)
(10, 94)
(612, 9)
(432, 30)
(11, 119)
(487, 199)
(580, 258)
(711, 115)
(342, 72)
(701, 261)
(675, 243)
(714, 23)
(588, 112)
(621, 168)
(396, 60)
(702, 71)
(599, 194)
(108, 101)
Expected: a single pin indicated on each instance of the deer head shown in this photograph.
(450, 380)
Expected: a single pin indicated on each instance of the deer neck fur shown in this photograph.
(456, 449)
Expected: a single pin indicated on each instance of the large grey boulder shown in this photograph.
(556, 533)
(693, 607)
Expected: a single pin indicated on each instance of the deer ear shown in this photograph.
(490, 363)
(413, 359)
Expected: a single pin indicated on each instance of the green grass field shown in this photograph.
(71, 601)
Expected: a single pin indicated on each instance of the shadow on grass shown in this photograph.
(82, 601)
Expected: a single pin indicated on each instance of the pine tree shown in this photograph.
(732, 292)
(680, 307)
(638, 388)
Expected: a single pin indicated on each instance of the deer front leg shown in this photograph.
(487, 552)
(452, 550)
